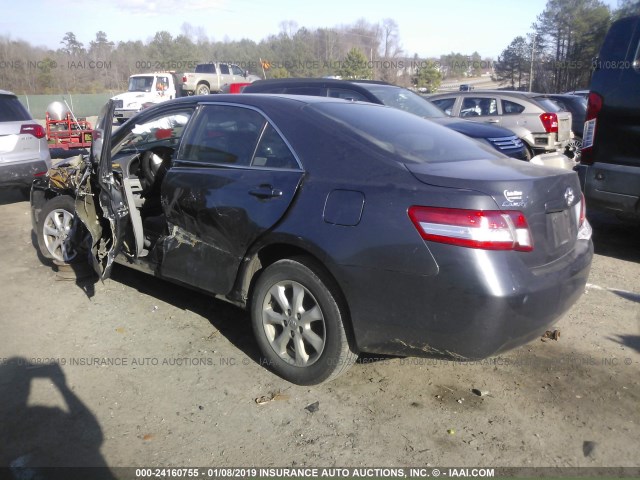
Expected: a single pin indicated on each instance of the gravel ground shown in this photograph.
(151, 374)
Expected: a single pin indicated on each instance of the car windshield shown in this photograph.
(140, 84)
(548, 104)
(407, 137)
(404, 99)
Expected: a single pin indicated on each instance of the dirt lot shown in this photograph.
(185, 376)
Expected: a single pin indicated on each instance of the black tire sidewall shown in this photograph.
(334, 331)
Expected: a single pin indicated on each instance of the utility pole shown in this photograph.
(533, 52)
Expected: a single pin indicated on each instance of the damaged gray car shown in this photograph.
(342, 227)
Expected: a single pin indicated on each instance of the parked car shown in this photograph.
(610, 163)
(212, 78)
(343, 227)
(535, 120)
(383, 93)
(24, 152)
(577, 105)
(465, 87)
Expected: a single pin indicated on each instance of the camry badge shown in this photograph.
(569, 196)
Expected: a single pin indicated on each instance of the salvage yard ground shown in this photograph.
(151, 374)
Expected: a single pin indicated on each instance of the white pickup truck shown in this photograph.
(212, 77)
(145, 89)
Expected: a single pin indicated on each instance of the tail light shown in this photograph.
(549, 122)
(33, 129)
(484, 229)
(594, 105)
(184, 79)
(40, 174)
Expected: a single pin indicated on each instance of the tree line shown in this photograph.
(557, 55)
(104, 65)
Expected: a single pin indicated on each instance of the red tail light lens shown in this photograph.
(184, 79)
(583, 211)
(483, 229)
(33, 129)
(550, 122)
(594, 105)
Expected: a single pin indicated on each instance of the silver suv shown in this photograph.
(23, 145)
(536, 119)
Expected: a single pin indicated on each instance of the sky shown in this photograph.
(428, 28)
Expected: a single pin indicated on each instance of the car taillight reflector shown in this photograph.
(33, 129)
(549, 122)
(484, 229)
(184, 79)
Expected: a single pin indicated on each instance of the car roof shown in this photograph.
(511, 93)
(321, 81)
(6, 92)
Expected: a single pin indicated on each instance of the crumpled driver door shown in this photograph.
(100, 199)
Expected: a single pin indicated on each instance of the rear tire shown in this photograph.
(528, 153)
(299, 323)
(202, 90)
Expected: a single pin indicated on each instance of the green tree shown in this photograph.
(513, 63)
(626, 8)
(570, 33)
(427, 76)
(71, 45)
(355, 66)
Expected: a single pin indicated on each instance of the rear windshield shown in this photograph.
(548, 104)
(11, 110)
(409, 138)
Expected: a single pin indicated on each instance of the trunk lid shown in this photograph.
(549, 198)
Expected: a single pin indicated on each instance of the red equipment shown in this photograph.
(68, 133)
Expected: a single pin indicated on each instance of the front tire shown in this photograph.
(53, 228)
(299, 322)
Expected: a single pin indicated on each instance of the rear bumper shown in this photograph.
(479, 304)
(611, 187)
(21, 174)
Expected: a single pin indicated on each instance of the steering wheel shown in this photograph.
(154, 164)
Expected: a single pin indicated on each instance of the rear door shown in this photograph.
(233, 179)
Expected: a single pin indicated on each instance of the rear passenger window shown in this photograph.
(224, 69)
(223, 135)
(509, 108)
(272, 152)
(445, 104)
